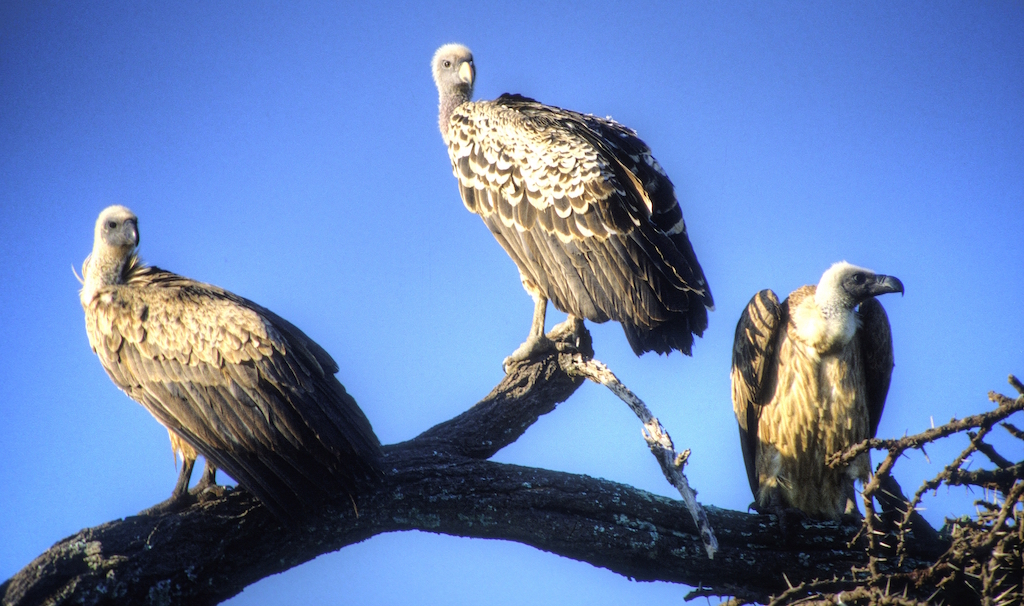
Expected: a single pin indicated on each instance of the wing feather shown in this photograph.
(602, 214)
(876, 352)
(753, 371)
(246, 388)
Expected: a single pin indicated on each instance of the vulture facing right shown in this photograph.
(809, 379)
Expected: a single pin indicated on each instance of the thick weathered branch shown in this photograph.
(527, 392)
(436, 482)
(213, 550)
(440, 482)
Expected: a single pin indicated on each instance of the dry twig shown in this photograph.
(657, 438)
(983, 558)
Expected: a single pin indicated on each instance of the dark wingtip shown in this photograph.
(665, 339)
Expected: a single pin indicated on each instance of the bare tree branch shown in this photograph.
(984, 420)
(436, 482)
(658, 441)
(213, 550)
(441, 482)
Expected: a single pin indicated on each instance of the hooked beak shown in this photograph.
(466, 73)
(132, 231)
(886, 284)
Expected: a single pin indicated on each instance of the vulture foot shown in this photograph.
(207, 489)
(182, 498)
(534, 347)
(208, 493)
(786, 516)
(568, 337)
(176, 503)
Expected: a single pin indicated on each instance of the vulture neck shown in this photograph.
(449, 102)
(104, 267)
(826, 321)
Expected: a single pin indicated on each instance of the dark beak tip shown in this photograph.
(896, 284)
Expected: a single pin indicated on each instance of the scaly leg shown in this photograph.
(537, 343)
(209, 477)
(566, 336)
(207, 488)
(180, 498)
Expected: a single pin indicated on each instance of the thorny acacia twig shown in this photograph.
(984, 563)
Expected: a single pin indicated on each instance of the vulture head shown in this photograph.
(454, 75)
(841, 289)
(845, 286)
(453, 69)
(117, 229)
(114, 241)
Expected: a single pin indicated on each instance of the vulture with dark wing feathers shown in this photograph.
(228, 379)
(578, 202)
(809, 379)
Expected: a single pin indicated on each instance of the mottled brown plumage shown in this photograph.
(587, 214)
(227, 377)
(809, 379)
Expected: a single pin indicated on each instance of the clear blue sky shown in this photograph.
(289, 152)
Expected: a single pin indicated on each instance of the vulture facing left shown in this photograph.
(809, 379)
(582, 207)
(228, 378)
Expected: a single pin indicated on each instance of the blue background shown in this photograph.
(289, 152)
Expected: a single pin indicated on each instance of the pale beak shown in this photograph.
(133, 232)
(466, 72)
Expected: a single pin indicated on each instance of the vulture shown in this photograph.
(228, 378)
(809, 379)
(585, 211)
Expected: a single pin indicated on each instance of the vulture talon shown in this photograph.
(174, 504)
(536, 346)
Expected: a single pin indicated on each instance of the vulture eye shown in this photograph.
(111, 224)
(446, 63)
(858, 278)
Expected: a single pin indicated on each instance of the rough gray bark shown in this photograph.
(441, 482)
